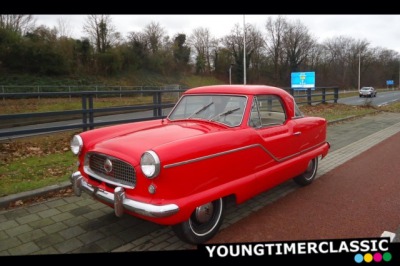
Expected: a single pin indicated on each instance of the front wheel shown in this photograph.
(203, 224)
(309, 175)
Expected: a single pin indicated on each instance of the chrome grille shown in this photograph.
(121, 172)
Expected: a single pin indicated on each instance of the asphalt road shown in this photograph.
(381, 99)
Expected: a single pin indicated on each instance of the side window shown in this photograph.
(255, 119)
(267, 110)
(297, 112)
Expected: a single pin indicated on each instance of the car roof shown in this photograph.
(237, 89)
(246, 90)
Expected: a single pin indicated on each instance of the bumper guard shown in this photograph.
(119, 199)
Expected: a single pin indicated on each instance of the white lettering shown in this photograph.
(210, 250)
(364, 246)
(287, 248)
(234, 252)
(269, 247)
(246, 250)
(354, 246)
(331, 248)
(373, 248)
(320, 247)
(259, 250)
(343, 247)
(225, 251)
(381, 248)
(301, 248)
(278, 247)
(312, 247)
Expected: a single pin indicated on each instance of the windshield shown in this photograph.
(225, 109)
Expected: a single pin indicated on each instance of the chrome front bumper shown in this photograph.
(118, 198)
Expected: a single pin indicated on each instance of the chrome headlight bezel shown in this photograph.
(76, 144)
(150, 164)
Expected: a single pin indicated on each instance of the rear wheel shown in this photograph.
(203, 224)
(309, 175)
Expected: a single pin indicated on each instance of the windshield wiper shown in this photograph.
(201, 109)
(230, 111)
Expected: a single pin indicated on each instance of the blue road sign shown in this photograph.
(303, 80)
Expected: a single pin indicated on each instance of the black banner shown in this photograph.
(368, 251)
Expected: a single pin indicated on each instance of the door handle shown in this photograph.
(298, 133)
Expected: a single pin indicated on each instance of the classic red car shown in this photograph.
(218, 142)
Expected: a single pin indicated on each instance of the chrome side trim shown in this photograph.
(293, 155)
(244, 148)
(207, 157)
(119, 199)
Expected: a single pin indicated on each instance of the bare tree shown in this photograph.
(101, 32)
(154, 34)
(342, 58)
(235, 44)
(64, 28)
(337, 50)
(386, 64)
(204, 45)
(274, 43)
(359, 52)
(254, 49)
(44, 34)
(17, 23)
(298, 43)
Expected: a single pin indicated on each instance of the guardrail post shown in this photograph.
(91, 119)
(157, 111)
(323, 95)
(336, 95)
(84, 113)
(309, 96)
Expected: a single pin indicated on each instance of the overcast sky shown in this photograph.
(379, 30)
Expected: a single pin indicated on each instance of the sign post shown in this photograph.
(389, 83)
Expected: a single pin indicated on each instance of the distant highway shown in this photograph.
(381, 99)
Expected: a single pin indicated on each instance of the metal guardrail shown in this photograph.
(317, 95)
(88, 112)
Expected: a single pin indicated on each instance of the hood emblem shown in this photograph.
(108, 166)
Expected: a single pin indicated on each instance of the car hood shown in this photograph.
(133, 144)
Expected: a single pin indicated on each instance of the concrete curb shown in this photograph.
(7, 200)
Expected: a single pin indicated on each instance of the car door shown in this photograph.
(280, 135)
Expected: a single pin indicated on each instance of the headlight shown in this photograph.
(150, 164)
(76, 144)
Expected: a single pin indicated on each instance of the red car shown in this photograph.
(218, 142)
